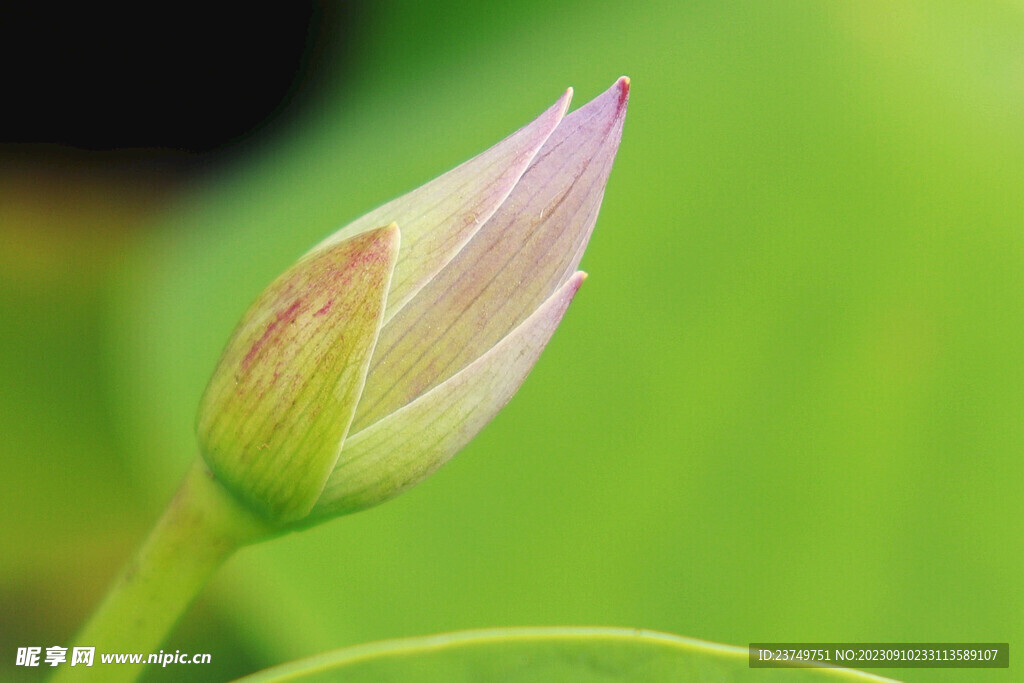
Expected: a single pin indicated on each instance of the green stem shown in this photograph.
(201, 527)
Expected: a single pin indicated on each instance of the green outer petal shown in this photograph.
(438, 218)
(383, 460)
(531, 245)
(275, 414)
(544, 654)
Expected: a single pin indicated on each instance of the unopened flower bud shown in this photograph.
(366, 366)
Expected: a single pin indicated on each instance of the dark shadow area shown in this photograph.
(172, 85)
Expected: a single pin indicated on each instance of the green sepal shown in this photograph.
(275, 415)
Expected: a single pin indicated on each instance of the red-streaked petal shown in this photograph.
(278, 407)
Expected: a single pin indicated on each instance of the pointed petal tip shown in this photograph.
(556, 112)
(387, 235)
(568, 289)
(622, 86)
(565, 99)
(610, 104)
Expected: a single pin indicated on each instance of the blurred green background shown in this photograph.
(787, 405)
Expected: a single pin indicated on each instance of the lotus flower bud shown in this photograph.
(377, 356)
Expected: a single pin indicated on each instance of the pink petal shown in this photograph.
(438, 218)
(531, 244)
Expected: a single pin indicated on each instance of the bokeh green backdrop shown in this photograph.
(787, 405)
